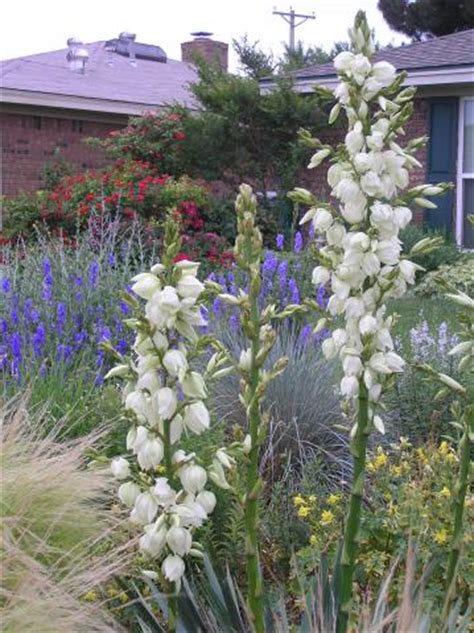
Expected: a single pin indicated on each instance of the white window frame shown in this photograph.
(461, 175)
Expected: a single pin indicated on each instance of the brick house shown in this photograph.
(442, 69)
(52, 101)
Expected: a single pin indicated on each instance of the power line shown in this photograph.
(290, 17)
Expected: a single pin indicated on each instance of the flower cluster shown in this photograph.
(165, 397)
(361, 261)
(56, 312)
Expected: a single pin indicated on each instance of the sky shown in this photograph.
(36, 26)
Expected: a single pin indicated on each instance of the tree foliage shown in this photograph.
(244, 133)
(428, 18)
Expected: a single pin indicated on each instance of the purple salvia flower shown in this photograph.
(61, 312)
(6, 285)
(234, 323)
(283, 274)
(93, 274)
(298, 242)
(294, 292)
(280, 241)
(39, 340)
(16, 345)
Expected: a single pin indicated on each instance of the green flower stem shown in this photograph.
(349, 551)
(167, 458)
(460, 490)
(254, 574)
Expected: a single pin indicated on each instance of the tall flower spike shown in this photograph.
(361, 261)
(165, 397)
(256, 324)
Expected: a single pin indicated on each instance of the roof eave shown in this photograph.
(72, 102)
(420, 77)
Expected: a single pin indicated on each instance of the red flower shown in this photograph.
(179, 136)
(180, 257)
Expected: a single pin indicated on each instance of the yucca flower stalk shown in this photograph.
(256, 324)
(165, 397)
(361, 261)
(463, 423)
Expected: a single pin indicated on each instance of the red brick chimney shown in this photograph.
(202, 46)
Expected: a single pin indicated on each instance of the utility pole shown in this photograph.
(291, 17)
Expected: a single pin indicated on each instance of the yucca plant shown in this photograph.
(57, 544)
(212, 603)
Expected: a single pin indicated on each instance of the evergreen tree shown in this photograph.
(420, 19)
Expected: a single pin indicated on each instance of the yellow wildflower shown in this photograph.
(380, 461)
(370, 466)
(387, 496)
(334, 499)
(392, 510)
(160, 469)
(303, 511)
(445, 492)
(112, 592)
(420, 453)
(441, 536)
(123, 597)
(312, 499)
(298, 500)
(91, 596)
(396, 471)
(443, 448)
(450, 458)
(313, 539)
(327, 517)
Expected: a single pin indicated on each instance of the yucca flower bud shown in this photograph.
(193, 385)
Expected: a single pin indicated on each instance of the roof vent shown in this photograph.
(126, 46)
(77, 55)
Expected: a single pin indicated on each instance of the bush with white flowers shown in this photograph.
(361, 261)
(165, 487)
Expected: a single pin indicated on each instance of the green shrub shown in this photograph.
(445, 254)
(459, 273)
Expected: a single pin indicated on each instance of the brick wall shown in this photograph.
(29, 141)
(315, 180)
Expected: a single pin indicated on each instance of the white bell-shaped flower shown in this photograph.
(153, 541)
(145, 508)
(120, 468)
(179, 540)
(173, 568)
(128, 493)
(196, 417)
(193, 478)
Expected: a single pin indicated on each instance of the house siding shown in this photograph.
(31, 140)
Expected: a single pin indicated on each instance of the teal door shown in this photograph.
(441, 166)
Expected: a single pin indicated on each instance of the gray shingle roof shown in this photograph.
(149, 83)
(456, 49)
